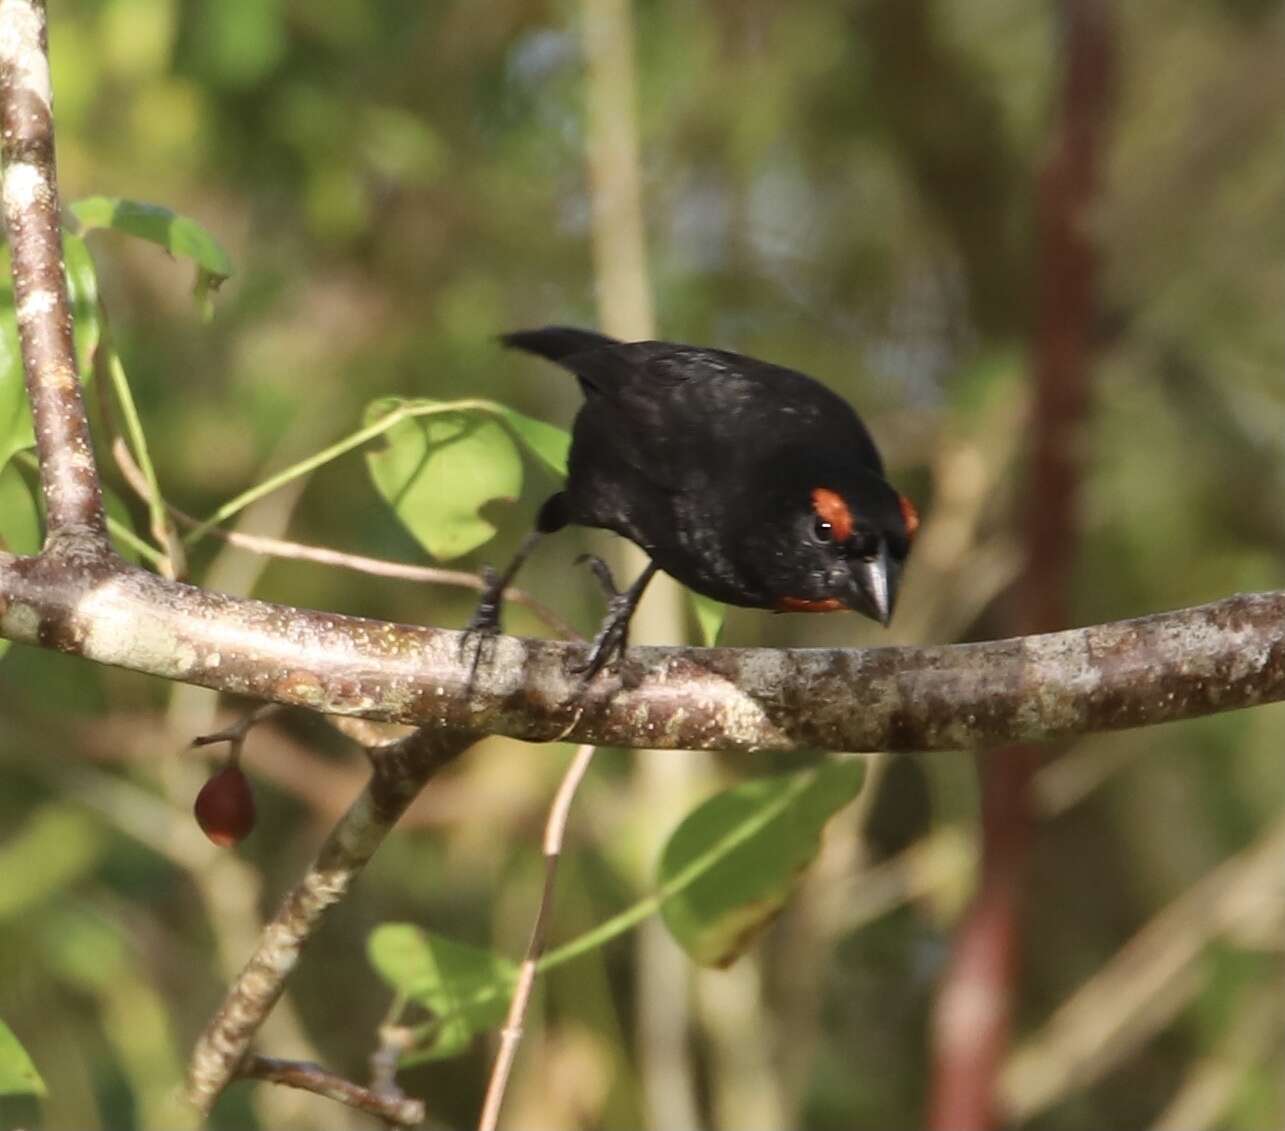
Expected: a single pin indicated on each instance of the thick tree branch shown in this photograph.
(69, 478)
(1156, 669)
(1178, 665)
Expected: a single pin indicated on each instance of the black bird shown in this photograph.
(747, 482)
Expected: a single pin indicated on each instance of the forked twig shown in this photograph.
(312, 1077)
(400, 771)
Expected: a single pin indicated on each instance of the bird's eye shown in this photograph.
(822, 531)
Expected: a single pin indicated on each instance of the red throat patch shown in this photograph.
(831, 508)
(909, 515)
(803, 605)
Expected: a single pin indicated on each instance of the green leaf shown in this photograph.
(730, 866)
(710, 615)
(19, 514)
(82, 287)
(179, 235)
(467, 988)
(437, 471)
(15, 417)
(547, 442)
(56, 848)
(117, 511)
(18, 1076)
(19, 520)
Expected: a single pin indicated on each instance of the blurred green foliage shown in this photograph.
(842, 187)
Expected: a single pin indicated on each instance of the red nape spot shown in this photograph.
(803, 605)
(909, 515)
(831, 508)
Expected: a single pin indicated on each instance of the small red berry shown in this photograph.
(225, 807)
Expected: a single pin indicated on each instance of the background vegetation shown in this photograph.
(845, 188)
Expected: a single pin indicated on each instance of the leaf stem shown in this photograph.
(377, 428)
(162, 529)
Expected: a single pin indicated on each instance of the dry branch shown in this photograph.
(400, 771)
(1170, 666)
(396, 1110)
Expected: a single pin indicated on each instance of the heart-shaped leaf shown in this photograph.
(467, 988)
(436, 471)
(547, 442)
(730, 866)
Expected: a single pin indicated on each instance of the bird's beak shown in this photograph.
(874, 586)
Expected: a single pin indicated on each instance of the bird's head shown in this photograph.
(836, 540)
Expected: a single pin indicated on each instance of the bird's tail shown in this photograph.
(556, 343)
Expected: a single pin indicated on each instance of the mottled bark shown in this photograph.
(69, 479)
(1176, 665)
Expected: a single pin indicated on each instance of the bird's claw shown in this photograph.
(612, 638)
(478, 636)
(486, 617)
(602, 572)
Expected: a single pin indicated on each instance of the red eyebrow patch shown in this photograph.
(831, 508)
(909, 515)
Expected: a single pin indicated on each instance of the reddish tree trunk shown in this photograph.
(971, 1024)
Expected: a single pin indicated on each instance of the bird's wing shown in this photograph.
(654, 399)
(676, 407)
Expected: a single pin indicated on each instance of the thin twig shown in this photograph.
(236, 732)
(1216, 1080)
(359, 563)
(394, 1040)
(313, 1078)
(1146, 982)
(68, 476)
(400, 772)
(511, 1035)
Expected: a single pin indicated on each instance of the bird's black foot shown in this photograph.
(611, 640)
(478, 637)
(486, 617)
(613, 636)
(602, 572)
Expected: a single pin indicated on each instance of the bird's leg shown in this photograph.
(484, 624)
(614, 632)
(486, 617)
